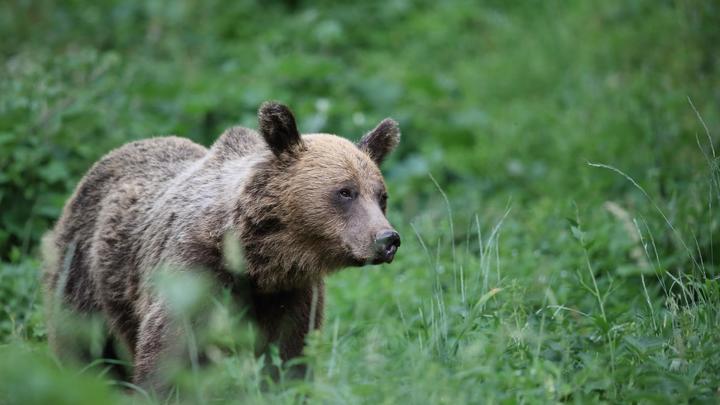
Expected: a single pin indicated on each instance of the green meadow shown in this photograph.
(556, 187)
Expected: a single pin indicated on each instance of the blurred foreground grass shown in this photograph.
(543, 279)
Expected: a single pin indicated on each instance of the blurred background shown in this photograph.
(503, 103)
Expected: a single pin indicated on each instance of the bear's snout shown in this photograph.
(386, 243)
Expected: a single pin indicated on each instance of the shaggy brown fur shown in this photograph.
(302, 207)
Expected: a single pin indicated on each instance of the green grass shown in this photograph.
(556, 187)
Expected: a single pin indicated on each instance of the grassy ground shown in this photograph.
(556, 186)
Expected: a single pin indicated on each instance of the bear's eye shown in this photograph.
(346, 193)
(383, 201)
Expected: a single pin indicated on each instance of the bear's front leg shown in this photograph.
(286, 317)
(159, 347)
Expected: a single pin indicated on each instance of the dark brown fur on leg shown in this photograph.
(286, 317)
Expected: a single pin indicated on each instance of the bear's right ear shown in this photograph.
(277, 127)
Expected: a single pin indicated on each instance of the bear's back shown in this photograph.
(160, 158)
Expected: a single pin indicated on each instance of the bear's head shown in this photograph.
(316, 202)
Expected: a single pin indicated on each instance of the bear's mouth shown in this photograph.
(355, 261)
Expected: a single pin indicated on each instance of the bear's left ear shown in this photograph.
(277, 127)
(379, 142)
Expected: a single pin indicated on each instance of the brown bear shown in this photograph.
(301, 206)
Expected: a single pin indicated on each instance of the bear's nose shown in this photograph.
(386, 244)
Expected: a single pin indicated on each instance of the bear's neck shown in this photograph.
(237, 202)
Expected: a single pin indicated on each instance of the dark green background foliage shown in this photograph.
(591, 289)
